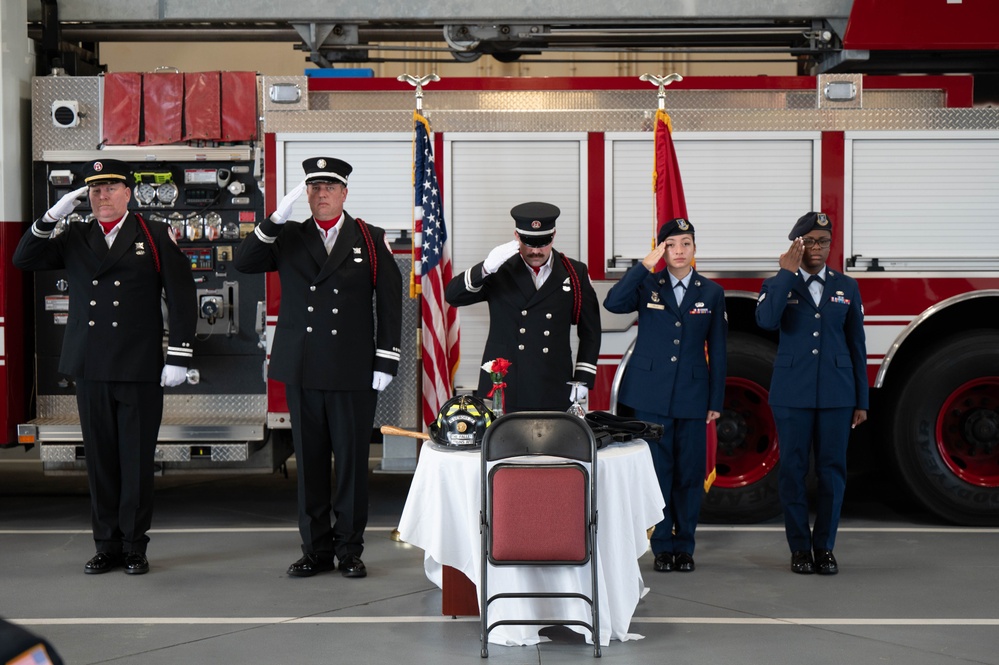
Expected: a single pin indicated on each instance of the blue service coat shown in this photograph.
(821, 360)
(668, 372)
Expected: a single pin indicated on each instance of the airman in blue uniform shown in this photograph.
(671, 380)
(819, 387)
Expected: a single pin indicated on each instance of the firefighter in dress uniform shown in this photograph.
(329, 354)
(670, 381)
(535, 295)
(117, 266)
(819, 387)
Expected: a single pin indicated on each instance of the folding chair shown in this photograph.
(539, 513)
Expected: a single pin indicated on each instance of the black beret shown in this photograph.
(326, 169)
(809, 222)
(674, 227)
(105, 170)
(535, 222)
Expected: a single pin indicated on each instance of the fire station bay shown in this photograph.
(347, 333)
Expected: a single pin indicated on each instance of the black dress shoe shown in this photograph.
(352, 566)
(102, 562)
(136, 563)
(310, 564)
(683, 562)
(801, 562)
(664, 562)
(825, 562)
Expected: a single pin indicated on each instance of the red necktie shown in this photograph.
(327, 224)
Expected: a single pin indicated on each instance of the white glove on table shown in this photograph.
(65, 205)
(380, 380)
(499, 255)
(283, 212)
(172, 375)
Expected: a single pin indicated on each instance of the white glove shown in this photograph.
(578, 393)
(173, 375)
(65, 205)
(499, 255)
(283, 212)
(380, 380)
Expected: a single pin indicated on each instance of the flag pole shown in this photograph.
(414, 291)
(661, 82)
(414, 284)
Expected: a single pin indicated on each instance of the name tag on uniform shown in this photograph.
(654, 305)
(792, 301)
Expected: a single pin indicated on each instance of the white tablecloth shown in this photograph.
(441, 516)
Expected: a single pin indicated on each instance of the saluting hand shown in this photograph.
(499, 255)
(654, 257)
(283, 212)
(791, 259)
(65, 205)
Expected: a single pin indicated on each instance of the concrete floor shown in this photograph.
(911, 590)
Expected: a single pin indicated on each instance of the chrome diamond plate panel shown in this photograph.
(397, 404)
(61, 453)
(85, 90)
(624, 111)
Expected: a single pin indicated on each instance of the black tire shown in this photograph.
(945, 429)
(745, 490)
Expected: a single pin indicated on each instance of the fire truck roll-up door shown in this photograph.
(740, 190)
(490, 174)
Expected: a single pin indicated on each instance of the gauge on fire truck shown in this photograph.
(145, 193)
(213, 225)
(195, 226)
(167, 193)
(178, 226)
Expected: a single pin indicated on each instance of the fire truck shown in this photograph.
(906, 166)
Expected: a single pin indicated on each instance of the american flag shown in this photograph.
(432, 272)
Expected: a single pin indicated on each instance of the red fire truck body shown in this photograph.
(905, 166)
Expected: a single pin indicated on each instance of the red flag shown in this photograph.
(670, 204)
(432, 272)
(666, 182)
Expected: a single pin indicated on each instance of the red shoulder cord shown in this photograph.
(577, 292)
(149, 237)
(371, 249)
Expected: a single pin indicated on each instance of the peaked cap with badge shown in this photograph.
(100, 171)
(535, 222)
(326, 169)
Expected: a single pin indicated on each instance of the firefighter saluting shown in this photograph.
(329, 354)
(117, 267)
(535, 296)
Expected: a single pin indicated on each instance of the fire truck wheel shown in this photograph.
(745, 489)
(946, 429)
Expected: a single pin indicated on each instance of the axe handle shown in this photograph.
(398, 431)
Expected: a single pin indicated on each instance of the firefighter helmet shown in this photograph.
(461, 423)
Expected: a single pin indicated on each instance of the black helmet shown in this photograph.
(461, 423)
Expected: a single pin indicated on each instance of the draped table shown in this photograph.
(441, 517)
